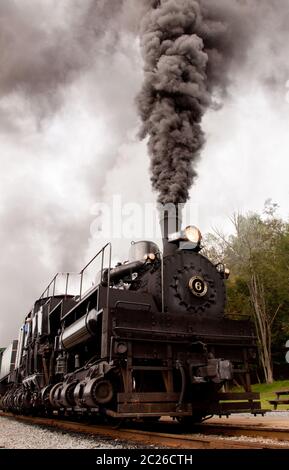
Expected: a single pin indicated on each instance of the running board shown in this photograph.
(159, 403)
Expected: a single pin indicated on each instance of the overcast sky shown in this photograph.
(70, 140)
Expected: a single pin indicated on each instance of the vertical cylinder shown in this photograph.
(170, 221)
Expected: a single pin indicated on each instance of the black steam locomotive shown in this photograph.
(149, 339)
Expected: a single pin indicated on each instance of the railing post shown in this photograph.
(81, 281)
(102, 261)
(66, 285)
(162, 283)
(54, 284)
(108, 277)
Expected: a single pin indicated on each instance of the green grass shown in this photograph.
(267, 392)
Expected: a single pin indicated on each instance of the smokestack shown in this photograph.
(170, 221)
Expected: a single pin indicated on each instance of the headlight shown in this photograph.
(193, 234)
(150, 256)
(190, 237)
(223, 270)
(227, 273)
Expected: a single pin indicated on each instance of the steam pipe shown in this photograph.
(123, 270)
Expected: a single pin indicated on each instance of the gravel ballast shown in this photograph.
(15, 435)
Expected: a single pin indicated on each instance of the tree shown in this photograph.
(258, 255)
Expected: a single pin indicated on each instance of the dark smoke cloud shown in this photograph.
(63, 64)
(233, 30)
(193, 50)
(174, 95)
(32, 239)
(46, 46)
(39, 54)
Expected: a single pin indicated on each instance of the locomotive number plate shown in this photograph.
(198, 286)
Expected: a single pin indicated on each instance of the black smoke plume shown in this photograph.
(190, 49)
(174, 95)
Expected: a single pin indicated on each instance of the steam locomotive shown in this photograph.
(148, 339)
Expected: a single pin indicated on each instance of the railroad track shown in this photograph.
(255, 431)
(168, 435)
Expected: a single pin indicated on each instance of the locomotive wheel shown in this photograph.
(116, 379)
(66, 395)
(45, 396)
(54, 395)
(102, 391)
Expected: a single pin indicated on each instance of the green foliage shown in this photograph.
(259, 246)
(238, 298)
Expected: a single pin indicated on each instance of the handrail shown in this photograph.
(102, 251)
(52, 284)
(45, 293)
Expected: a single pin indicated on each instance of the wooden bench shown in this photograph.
(278, 401)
